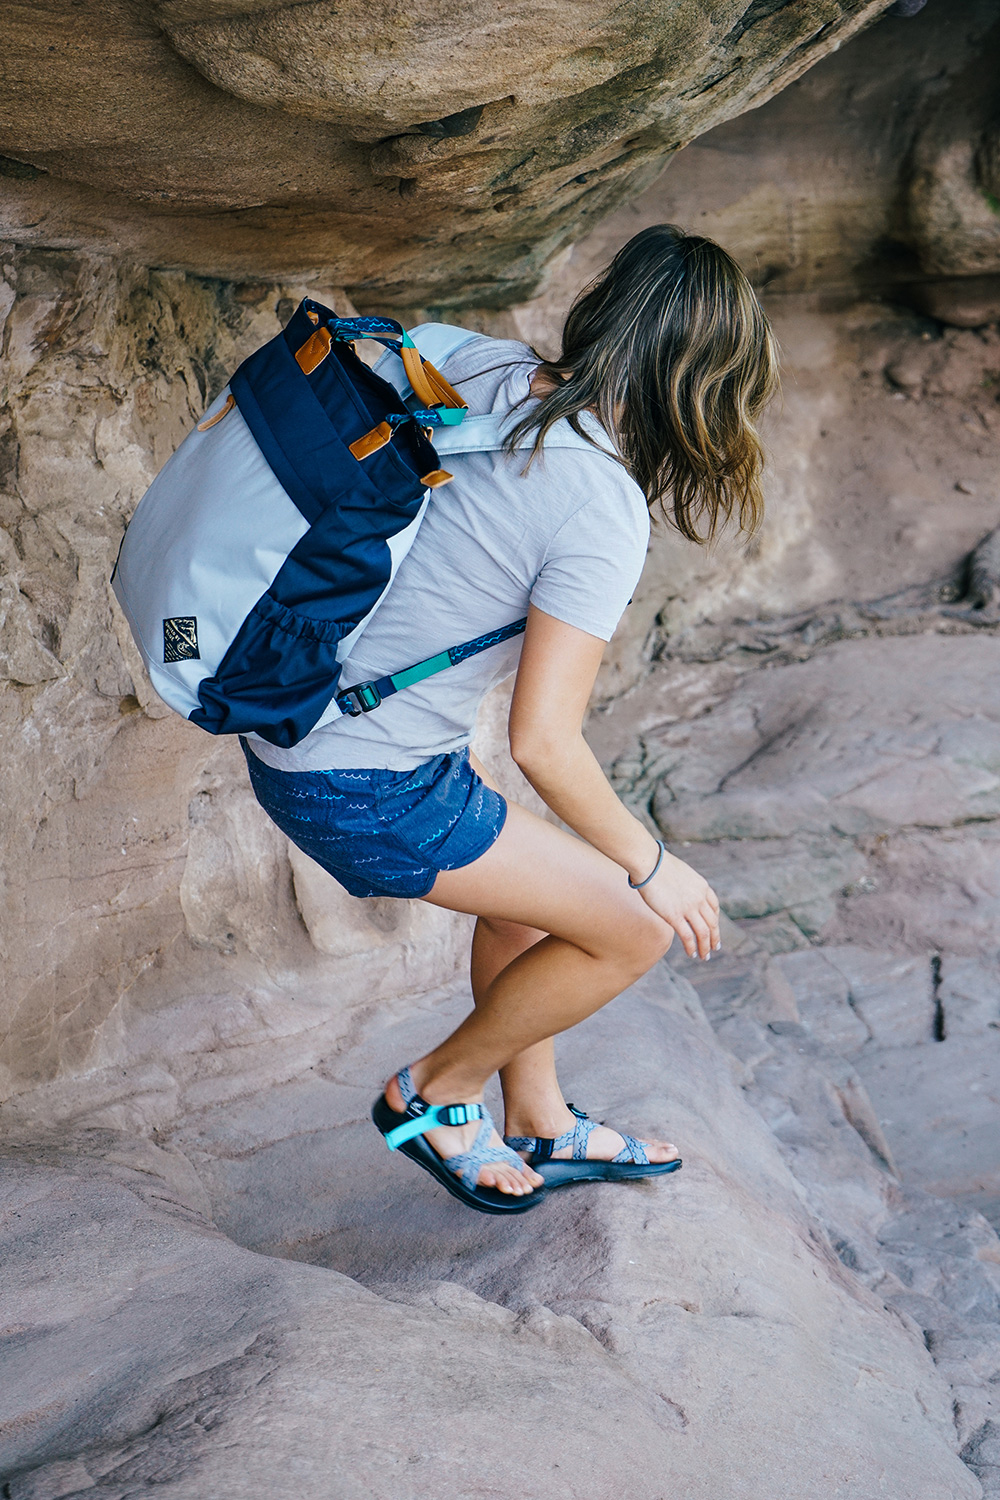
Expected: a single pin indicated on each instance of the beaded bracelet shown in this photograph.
(637, 885)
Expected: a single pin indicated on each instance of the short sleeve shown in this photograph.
(594, 560)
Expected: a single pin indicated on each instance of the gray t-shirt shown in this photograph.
(569, 535)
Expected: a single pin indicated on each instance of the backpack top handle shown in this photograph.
(442, 405)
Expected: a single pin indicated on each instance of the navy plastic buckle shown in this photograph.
(360, 699)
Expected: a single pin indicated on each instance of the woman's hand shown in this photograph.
(686, 901)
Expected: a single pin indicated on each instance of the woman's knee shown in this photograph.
(638, 941)
(656, 941)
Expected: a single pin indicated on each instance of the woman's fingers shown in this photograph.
(702, 932)
(698, 930)
(687, 937)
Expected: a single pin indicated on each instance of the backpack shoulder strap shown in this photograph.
(486, 435)
(437, 342)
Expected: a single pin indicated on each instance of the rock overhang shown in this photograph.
(423, 156)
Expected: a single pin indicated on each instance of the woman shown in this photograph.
(667, 360)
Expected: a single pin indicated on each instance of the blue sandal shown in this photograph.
(631, 1162)
(404, 1132)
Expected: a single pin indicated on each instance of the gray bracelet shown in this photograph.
(637, 885)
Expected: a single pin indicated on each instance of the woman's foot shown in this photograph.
(453, 1140)
(603, 1143)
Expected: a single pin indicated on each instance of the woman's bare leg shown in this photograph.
(601, 937)
(532, 1073)
(534, 1104)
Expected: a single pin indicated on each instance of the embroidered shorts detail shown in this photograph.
(384, 833)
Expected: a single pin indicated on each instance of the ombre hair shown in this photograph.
(670, 349)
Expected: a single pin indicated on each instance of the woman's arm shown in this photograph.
(554, 681)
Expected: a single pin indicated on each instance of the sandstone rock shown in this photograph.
(498, 134)
(823, 1000)
(935, 1264)
(983, 590)
(964, 302)
(769, 876)
(224, 1372)
(911, 941)
(969, 996)
(892, 995)
(620, 1331)
(954, 208)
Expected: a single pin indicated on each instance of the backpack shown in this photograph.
(267, 541)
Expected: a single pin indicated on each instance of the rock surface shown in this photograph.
(670, 1337)
(817, 190)
(841, 798)
(441, 160)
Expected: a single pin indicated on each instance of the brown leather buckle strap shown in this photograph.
(315, 349)
(363, 447)
(429, 386)
(372, 441)
(222, 412)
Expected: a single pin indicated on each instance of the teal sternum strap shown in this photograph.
(365, 696)
(435, 1115)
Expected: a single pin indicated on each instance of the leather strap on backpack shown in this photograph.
(443, 405)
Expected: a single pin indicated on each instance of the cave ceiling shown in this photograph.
(425, 154)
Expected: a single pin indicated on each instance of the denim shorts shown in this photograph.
(384, 833)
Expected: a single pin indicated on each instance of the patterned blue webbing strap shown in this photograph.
(364, 696)
(393, 336)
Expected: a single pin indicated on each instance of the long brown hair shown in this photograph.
(670, 349)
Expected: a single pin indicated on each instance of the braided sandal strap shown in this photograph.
(539, 1145)
(582, 1131)
(406, 1086)
(633, 1153)
(466, 1164)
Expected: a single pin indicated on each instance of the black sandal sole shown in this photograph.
(562, 1173)
(485, 1199)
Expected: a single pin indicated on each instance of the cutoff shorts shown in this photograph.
(384, 833)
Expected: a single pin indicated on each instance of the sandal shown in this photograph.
(632, 1161)
(403, 1132)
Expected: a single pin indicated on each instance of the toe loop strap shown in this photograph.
(433, 1116)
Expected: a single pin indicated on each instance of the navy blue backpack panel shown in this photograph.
(265, 542)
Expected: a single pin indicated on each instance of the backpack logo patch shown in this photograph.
(180, 639)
